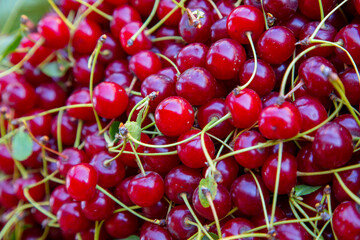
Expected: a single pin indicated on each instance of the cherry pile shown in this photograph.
(182, 119)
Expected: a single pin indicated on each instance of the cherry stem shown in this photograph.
(294, 89)
(328, 171)
(161, 22)
(148, 154)
(299, 208)
(346, 189)
(95, 9)
(107, 162)
(45, 172)
(222, 146)
(138, 161)
(138, 105)
(265, 18)
(132, 84)
(2, 125)
(213, 210)
(61, 15)
(321, 10)
(217, 12)
(166, 38)
(98, 229)
(171, 62)
(247, 235)
(204, 149)
(319, 236)
(130, 42)
(186, 201)
(58, 130)
(248, 35)
(304, 205)
(291, 203)
(223, 143)
(85, 13)
(78, 133)
(123, 209)
(10, 134)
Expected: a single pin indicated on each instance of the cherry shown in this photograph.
(244, 106)
(144, 63)
(54, 31)
(37, 193)
(346, 220)
(237, 226)
(34, 75)
(82, 72)
(195, 28)
(218, 30)
(117, 2)
(146, 190)
(19, 96)
(198, 91)
(174, 116)
(90, 234)
(164, 8)
(225, 7)
(117, 66)
(281, 9)
(351, 180)
(165, 31)
(110, 100)
(177, 222)
(225, 58)
(81, 181)
(142, 42)
(287, 172)
(312, 10)
(94, 144)
(245, 194)
(39, 126)
(121, 191)
(276, 45)
(104, 7)
(351, 85)
(253, 158)
(292, 231)
(315, 198)
(259, 219)
(80, 96)
(71, 219)
(348, 122)
(68, 127)
(129, 159)
(74, 156)
(68, 5)
(192, 55)
(157, 211)
(59, 197)
(111, 50)
(171, 51)
(123, 15)
(50, 95)
(222, 203)
(8, 197)
(86, 36)
(348, 37)
(264, 80)
(35, 159)
(6, 160)
(98, 208)
(122, 79)
(151, 231)
(169, 72)
(244, 19)
(306, 163)
(332, 146)
(199, 4)
(181, 179)
(280, 121)
(295, 23)
(121, 225)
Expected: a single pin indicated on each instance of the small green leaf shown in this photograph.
(114, 128)
(132, 237)
(134, 130)
(8, 44)
(210, 184)
(141, 115)
(22, 145)
(301, 190)
(55, 69)
(213, 235)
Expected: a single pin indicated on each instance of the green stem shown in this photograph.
(204, 149)
(216, 218)
(276, 190)
(166, 38)
(346, 189)
(61, 15)
(264, 13)
(247, 235)
(248, 35)
(137, 106)
(138, 161)
(78, 133)
(321, 9)
(95, 9)
(169, 61)
(58, 130)
(216, 9)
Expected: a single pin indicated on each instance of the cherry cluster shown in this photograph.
(182, 119)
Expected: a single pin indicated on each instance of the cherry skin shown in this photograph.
(68, 127)
(225, 7)
(6, 161)
(243, 19)
(295, 23)
(151, 231)
(259, 219)
(332, 146)
(8, 197)
(192, 55)
(253, 158)
(281, 9)
(346, 220)
(94, 144)
(144, 63)
(86, 37)
(222, 203)
(246, 196)
(306, 163)
(351, 85)
(276, 45)
(111, 50)
(81, 181)
(80, 96)
(146, 190)
(237, 226)
(174, 116)
(198, 91)
(349, 37)
(50, 95)
(200, 4)
(142, 42)
(351, 180)
(37, 193)
(34, 75)
(181, 179)
(169, 72)
(54, 31)
(287, 172)
(161, 164)
(348, 122)
(165, 31)
(73, 156)
(123, 15)
(312, 10)
(218, 30)
(59, 197)
(164, 8)
(39, 126)
(171, 50)
(82, 72)
(264, 80)
(280, 121)
(117, 66)
(71, 219)
(120, 191)
(157, 211)
(122, 79)
(129, 159)
(244, 106)
(110, 100)
(292, 231)
(19, 96)
(121, 224)
(99, 207)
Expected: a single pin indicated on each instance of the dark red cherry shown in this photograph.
(174, 116)
(292, 231)
(165, 31)
(157, 211)
(264, 80)
(110, 100)
(191, 153)
(34, 75)
(39, 126)
(280, 121)
(111, 50)
(142, 42)
(59, 197)
(244, 106)
(150, 231)
(19, 96)
(164, 8)
(81, 181)
(86, 37)
(54, 30)
(123, 15)
(295, 23)
(169, 72)
(103, 7)
(94, 143)
(287, 172)
(82, 72)
(146, 190)
(68, 128)
(161, 164)
(259, 219)
(196, 85)
(80, 96)
(71, 219)
(222, 203)
(122, 79)
(6, 161)
(332, 146)
(237, 226)
(253, 158)
(225, 58)
(218, 30)
(349, 38)
(200, 3)
(276, 45)
(129, 159)
(8, 197)
(351, 85)
(50, 95)
(312, 10)
(306, 163)
(170, 50)
(243, 19)
(225, 7)
(144, 63)
(281, 9)
(348, 122)
(346, 220)
(122, 224)
(181, 179)
(37, 193)
(192, 55)
(73, 156)
(117, 66)
(246, 195)
(120, 191)
(99, 207)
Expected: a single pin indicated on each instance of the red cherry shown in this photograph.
(151, 231)
(123, 15)
(157, 211)
(8, 197)
(37, 193)
(6, 161)
(237, 226)
(295, 23)
(71, 219)
(73, 156)
(218, 30)
(94, 143)
(86, 37)
(50, 95)
(82, 72)
(128, 159)
(349, 36)
(281, 9)
(98, 208)
(59, 197)
(142, 42)
(351, 85)
(80, 96)
(54, 30)
(121, 225)
(312, 10)
(20, 96)
(121, 191)
(164, 8)
(39, 126)
(292, 231)
(68, 127)
(346, 220)
(192, 55)
(144, 63)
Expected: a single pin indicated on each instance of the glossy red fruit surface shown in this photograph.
(346, 220)
(71, 219)
(54, 30)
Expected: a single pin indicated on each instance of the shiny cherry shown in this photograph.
(68, 128)
(346, 220)
(80, 96)
(192, 55)
(82, 72)
(54, 30)
(144, 63)
(150, 231)
(94, 143)
(99, 207)
(73, 156)
(59, 197)
(50, 95)
(37, 193)
(123, 15)
(237, 226)
(121, 225)
(349, 37)
(351, 85)
(86, 36)
(142, 42)
(312, 10)
(348, 122)
(281, 9)
(19, 96)
(292, 231)
(71, 219)
(8, 197)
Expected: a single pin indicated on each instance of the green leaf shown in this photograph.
(134, 130)
(55, 69)
(132, 237)
(114, 128)
(213, 235)
(140, 115)
(9, 43)
(301, 190)
(210, 184)
(22, 145)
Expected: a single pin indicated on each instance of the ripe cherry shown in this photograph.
(351, 85)
(82, 72)
(151, 231)
(6, 161)
(117, 66)
(86, 36)
(192, 55)
(121, 191)
(41, 125)
(37, 193)
(351, 179)
(346, 220)
(80, 96)
(237, 226)
(121, 224)
(292, 231)
(73, 156)
(164, 8)
(144, 63)
(94, 143)
(99, 207)
(8, 197)
(54, 30)
(50, 95)
(281, 9)
(129, 159)
(349, 37)
(71, 219)
(219, 30)
(295, 23)
(123, 15)
(19, 96)
(68, 127)
(59, 197)
(312, 10)
(142, 42)
(348, 122)
(157, 211)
